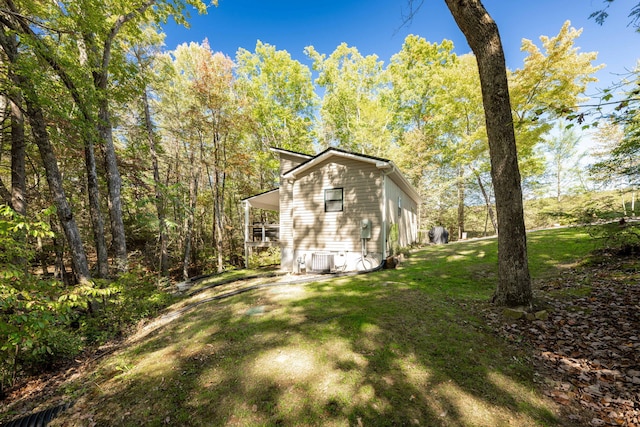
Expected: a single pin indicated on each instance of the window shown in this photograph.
(399, 206)
(333, 200)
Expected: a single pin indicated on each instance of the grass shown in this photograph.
(396, 347)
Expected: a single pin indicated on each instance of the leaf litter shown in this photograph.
(587, 352)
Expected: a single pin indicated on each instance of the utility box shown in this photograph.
(365, 229)
(322, 262)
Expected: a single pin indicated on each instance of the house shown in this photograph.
(338, 211)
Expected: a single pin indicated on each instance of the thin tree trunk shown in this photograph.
(481, 32)
(220, 188)
(94, 209)
(190, 215)
(460, 185)
(487, 202)
(114, 186)
(18, 177)
(5, 192)
(558, 180)
(18, 149)
(159, 197)
(93, 189)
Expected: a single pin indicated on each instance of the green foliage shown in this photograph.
(394, 239)
(352, 114)
(134, 296)
(282, 97)
(42, 321)
(617, 238)
(31, 310)
(264, 257)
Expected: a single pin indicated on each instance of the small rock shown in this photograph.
(513, 313)
(542, 315)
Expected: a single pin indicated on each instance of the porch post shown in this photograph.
(246, 234)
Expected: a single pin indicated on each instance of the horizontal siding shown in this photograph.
(407, 220)
(289, 161)
(286, 226)
(315, 229)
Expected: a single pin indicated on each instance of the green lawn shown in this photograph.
(396, 347)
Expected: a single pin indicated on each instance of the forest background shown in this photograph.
(123, 162)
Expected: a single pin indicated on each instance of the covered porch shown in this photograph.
(258, 234)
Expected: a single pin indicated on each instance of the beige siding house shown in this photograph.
(339, 211)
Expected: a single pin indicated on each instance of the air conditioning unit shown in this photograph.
(322, 262)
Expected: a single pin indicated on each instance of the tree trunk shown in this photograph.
(114, 185)
(18, 177)
(220, 158)
(93, 189)
(94, 209)
(159, 198)
(54, 178)
(558, 180)
(461, 189)
(481, 32)
(487, 202)
(194, 176)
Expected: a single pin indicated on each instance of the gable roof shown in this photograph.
(270, 200)
(380, 163)
(291, 153)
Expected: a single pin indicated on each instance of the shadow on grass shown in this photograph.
(396, 347)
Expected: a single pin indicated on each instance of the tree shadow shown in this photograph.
(373, 349)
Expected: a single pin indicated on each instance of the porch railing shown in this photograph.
(264, 232)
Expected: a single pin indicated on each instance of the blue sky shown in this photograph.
(376, 27)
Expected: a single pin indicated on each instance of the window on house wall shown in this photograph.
(333, 200)
(399, 206)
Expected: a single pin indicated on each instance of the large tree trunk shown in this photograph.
(159, 198)
(481, 32)
(54, 178)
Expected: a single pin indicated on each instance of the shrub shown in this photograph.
(264, 256)
(31, 311)
(620, 238)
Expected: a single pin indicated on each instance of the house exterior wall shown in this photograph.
(286, 225)
(406, 217)
(289, 161)
(369, 193)
(315, 230)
